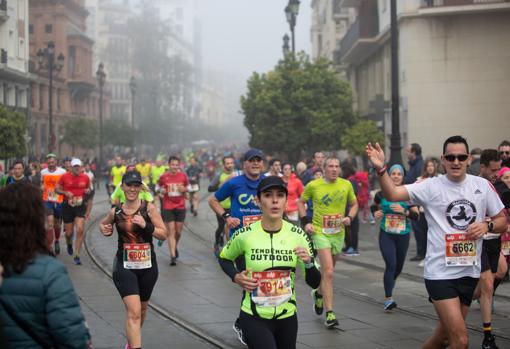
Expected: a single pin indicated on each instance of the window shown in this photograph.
(30, 28)
(48, 28)
(58, 99)
(41, 97)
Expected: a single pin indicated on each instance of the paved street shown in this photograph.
(199, 294)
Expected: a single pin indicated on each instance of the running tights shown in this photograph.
(269, 334)
(218, 235)
(394, 250)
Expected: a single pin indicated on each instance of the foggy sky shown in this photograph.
(242, 36)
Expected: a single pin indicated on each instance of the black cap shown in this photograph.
(252, 153)
(132, 177)
(271, 182)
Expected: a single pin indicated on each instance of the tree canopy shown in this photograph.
(356, 137)
(299, 106)
(12, 131)
(81, 132)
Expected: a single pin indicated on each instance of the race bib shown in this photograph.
(137, 256)
(52, 196)
(394, 223)
(332, 224)
(505, 244)
(459, 250)
(76, 201)
(193, 187)
(275, 288)
(173, 190)
(247, 220)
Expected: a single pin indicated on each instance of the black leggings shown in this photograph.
(135, 281)
(218, 235)
(269, 334)
(393, 249)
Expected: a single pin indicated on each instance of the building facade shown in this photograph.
(453, 68)
(14, 55)
(74, 87)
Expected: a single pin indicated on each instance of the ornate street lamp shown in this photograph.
(132, 86)
(395, 144)
(285, 47)
(47, 61)
(101, 79)
(291, 12)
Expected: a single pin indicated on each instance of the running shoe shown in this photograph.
(239, 332)
(76, 260)
(195, 213)
(70, 249)
(489, 342)
(318, 302)
(160, 243)
(350, 252)
(176, 253)
(173, 261)
(57, 247)
(389, 304)
(331, 320)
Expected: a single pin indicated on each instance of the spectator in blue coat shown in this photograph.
(38, 305)
(415, 161)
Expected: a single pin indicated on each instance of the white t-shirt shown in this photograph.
(90, 174)
(450, 207)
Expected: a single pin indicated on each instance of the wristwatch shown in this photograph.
(490, 226)
(226, 214)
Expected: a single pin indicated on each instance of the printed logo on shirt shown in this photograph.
(460, 214)
(477, 191)
(245, 199)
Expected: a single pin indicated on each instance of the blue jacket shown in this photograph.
(415, 169)
(43, 297)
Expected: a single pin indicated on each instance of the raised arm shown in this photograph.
(389, 190)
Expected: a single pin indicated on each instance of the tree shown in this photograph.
(299, 106)
(82, 133)
(13, 126)
(358, 135)
(118, 132)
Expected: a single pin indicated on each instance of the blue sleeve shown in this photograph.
(225, 191)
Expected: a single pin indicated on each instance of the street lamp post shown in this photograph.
(291, 12)
(285, 47)
(46, 59)
(395, 145)
(132, 86)
(101, 78)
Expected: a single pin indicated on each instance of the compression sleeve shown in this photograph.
(228, 267)
(313, 277)
(215, 184)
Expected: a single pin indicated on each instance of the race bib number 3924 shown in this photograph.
(459, 250)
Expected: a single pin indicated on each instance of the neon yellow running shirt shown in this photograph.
(329, 204)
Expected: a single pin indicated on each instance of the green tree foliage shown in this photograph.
(299, 106)
(82, 133)
(118, 132)
(358, 135)
(12, 130)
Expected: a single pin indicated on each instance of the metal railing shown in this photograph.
(436, 3)
(3, 56)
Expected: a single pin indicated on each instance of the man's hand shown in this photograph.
(232, 222)
(309, 228)
(378, 214)
(477, 230)
(375, 155)
(302, 254)
(246, 282)
(346, 221)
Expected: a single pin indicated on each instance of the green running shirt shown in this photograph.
(268, 251)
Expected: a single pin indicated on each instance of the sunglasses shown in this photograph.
(504, 153)
(136, 185)
(460, 157)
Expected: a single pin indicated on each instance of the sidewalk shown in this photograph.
(199, 292)
(104, 310)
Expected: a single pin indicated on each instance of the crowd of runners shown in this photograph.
(275, 218)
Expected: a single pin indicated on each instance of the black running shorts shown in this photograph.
(69, 213)
(490, 254)
(135, 281)
(452, 288)
(176, 215)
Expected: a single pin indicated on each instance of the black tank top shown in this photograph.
(130, 233)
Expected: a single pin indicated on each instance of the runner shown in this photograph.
(173, 186)
(50, 176)
(89, 198)
(144, 167)
(330, 196)
(295, 189)
(456, 205)
(66, 164)
(394, 234)
(242, 191)
(116, 173)
(275, 168)
(156, 171)
(135, 266)
(490, 164)
(272, 249)
(74, 186)
(193, 171)
(18, 174)
(217, 182)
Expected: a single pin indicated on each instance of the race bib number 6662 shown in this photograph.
(459, 250)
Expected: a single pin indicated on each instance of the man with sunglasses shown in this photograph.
(504, 153)
(242, 191)
(456, 206)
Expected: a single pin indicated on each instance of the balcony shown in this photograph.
(3, 11)
(434, 3)
(450, 7)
